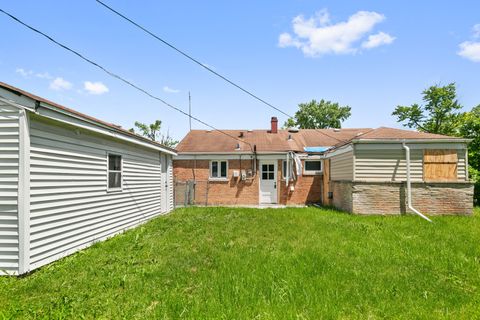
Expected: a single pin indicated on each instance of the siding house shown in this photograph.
(68, 180)
(361, 170)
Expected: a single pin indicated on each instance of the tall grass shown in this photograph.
(226, 263)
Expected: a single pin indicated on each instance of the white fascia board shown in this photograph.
(339, 151)
(228, 155)
(413, 145)
(213, 156)
(446, 140)
(14, 104)
(305, 156)
(53, 113)
(15, 100)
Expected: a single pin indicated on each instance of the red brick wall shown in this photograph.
(307, 189)
(231, 192)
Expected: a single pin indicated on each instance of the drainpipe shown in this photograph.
(409, 185)
(287, 175)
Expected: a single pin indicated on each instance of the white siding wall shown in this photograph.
(462, 167)
(9, 154)
(387, 165)
(70, 206)
(379, 164)
(170, 183)
(341, 166)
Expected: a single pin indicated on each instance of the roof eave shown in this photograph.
(422, 140)
(118, 133)
(38, 101)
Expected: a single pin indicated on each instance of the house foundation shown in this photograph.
(438, 198)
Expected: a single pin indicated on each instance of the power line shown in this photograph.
(186, 55)
(118, 77)
(183, 53)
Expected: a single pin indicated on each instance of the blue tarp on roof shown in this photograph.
(315, 149)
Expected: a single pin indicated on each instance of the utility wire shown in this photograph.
(183, 53)
(114, 75)
(186, 55)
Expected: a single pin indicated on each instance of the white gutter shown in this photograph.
(409, 185)
(422, 140)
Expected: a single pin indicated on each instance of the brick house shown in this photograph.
(360, 170)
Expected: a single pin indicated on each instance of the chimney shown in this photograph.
(274, 125)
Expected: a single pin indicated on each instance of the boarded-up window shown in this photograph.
(440, 165)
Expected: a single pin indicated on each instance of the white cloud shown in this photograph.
(24, 73)
(95, 87)
(60, 84)
(379, 39)
(170, 90)
(470, 50)
(43, 75)
(317, 36)
(476, 31)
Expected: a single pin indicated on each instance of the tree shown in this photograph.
(153, 132)
(440, 114)
(319, 115)
(470, 128)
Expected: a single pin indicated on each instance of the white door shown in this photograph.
(164, 182)
(268, 182)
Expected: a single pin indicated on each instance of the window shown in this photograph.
(218, 169)
(114, 172)
(312, 167)
(268, 172)
(440, 165)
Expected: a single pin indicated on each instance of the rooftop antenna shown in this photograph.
(190, 110)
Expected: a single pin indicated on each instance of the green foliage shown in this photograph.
(319, 115)
(240, 263)
(470, 128)
(290, 123)
(153, 132)
(440, 113)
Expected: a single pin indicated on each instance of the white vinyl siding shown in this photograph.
(341, 167)
(70, 206)
(462, 165)
(9, 169)
(170, 182)
(388, 164)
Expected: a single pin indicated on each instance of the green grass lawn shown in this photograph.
(305, 263)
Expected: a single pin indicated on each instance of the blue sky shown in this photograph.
(370, 55)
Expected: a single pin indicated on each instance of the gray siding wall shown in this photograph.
(70, 206)
(9, 168)
(379, 164)
(341, 167)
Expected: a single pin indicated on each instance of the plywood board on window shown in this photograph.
(440, 156)
(440, 165)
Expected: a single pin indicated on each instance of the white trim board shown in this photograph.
(24, 194)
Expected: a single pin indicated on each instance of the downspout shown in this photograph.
(287, 171)
(409, 185)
